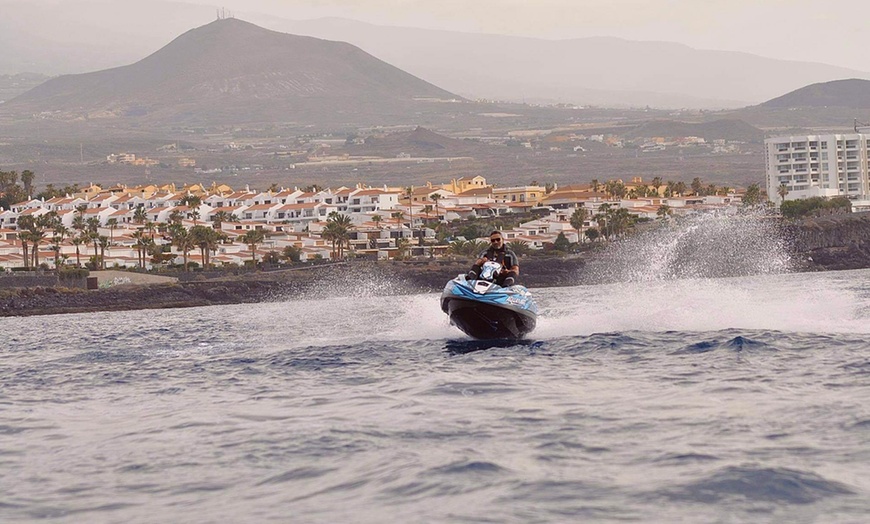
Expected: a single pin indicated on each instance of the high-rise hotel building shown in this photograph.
(819, 165)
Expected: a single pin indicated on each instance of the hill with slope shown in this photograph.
(852, 92)
(234, 72)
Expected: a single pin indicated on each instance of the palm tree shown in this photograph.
(193, 202)
(657, 183)
(25, 226)
(252, 238)
(458, 247)
(112, 223)
(664, 211)
(77, 241)
(151, 227)
(183, 240)
(36, 237)
(37, 228)
(409, 193)
(79, 220)
(478, 246)
(175, 217)
(402, 245)
(59, 233)
(207, 239)
(104, 243)
(592, 234)
(782, 191)
(620, 221)
(399, 216)
(93, 224)
(142, 241)
(24, 237)
(427, 209)
(220, 217)
(603, 218)
(377, 220)
(435, 197)
(520, 247)
(329, 234)
(578, 218)
(292, 253)
(140, 215)
(339, 227)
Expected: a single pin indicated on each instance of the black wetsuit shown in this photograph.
(503, 256)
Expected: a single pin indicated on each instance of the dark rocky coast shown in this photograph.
(834, 242)
(337, 280)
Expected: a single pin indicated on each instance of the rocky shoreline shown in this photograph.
(836, 242)
(334, 280)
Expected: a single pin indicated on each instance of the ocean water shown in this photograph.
(720, 400)
(663, 396)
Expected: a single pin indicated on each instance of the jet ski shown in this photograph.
(484, 310)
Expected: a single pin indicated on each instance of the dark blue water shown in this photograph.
(729, 400)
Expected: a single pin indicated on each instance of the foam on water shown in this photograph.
(709, 245)
(793, 303)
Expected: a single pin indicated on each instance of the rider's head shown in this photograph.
(496, 240)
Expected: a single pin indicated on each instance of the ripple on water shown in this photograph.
(773, 485)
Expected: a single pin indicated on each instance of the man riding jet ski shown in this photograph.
(506, 258)
(481, 307)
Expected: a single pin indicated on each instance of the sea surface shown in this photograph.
(741, 399)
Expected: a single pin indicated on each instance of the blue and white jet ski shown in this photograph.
(484, 310)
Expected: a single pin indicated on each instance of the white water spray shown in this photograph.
(710, 245)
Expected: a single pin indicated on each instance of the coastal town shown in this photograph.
(152, 226)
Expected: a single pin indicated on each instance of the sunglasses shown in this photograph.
(495, 240)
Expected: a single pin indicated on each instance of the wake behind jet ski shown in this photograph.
(484, 310)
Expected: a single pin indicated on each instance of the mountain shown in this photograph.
(234, 72)
(53, 37)
(853, 93)
(598, 71)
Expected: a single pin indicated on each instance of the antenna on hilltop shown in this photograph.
(223, 14)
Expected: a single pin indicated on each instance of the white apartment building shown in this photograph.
(819, 165)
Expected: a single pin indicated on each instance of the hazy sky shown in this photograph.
(834, 32)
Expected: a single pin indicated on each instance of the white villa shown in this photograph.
(292, 217)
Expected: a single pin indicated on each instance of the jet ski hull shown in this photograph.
(494, 313)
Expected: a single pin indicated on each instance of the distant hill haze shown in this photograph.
(53, 37)
(600, 71)
(822, 107)
(234, 72)
(854, 93)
